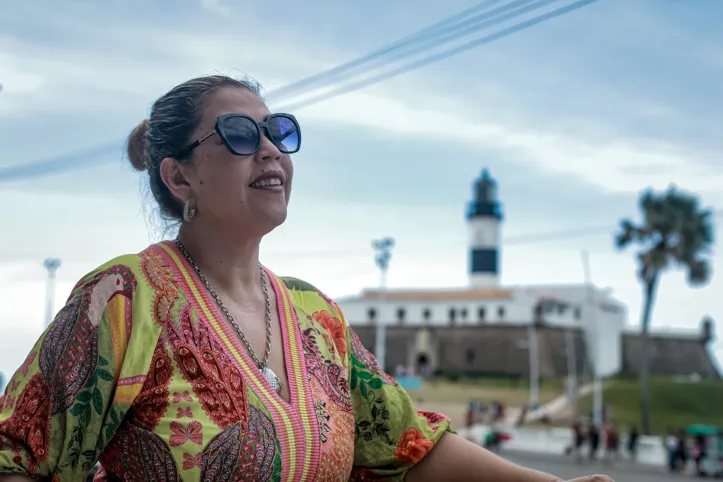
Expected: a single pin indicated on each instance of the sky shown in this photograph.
(573, 117)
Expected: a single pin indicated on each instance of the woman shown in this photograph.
(191, 361)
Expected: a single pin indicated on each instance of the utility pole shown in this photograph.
(534, 358)
(572, 371)
(383, 255)
(52, 265)
(592, 305)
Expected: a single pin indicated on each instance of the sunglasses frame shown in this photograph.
(261, 127)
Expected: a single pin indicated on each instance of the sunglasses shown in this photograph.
(242, 135)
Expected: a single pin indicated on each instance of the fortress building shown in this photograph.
(488, 328)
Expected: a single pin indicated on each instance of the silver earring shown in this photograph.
(188, 211)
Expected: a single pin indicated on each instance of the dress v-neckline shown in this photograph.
(209, 312)
(297, 429)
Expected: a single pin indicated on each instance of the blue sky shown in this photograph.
(573, 117)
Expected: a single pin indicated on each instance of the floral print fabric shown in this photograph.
(139, 372)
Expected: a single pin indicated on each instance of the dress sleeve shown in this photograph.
(66, 400)
(391, 435)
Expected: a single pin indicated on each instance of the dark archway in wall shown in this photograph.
(422, 365)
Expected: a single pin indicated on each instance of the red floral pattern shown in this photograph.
(433, 418)
(334, 334)
(413, 446)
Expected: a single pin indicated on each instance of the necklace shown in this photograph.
(263, 366)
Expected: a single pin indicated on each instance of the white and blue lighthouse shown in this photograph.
(484, 219)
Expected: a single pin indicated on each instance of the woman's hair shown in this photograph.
(174, 117)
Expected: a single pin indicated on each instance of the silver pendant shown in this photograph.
(272, 378)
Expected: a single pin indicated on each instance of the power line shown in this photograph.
(527, 238)
(521, 239)
(439, 56)
(55, 164)
(423, 37)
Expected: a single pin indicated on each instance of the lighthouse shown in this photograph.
(484, 219)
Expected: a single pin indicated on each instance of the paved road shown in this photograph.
(568, 469)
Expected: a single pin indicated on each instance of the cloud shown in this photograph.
(108, 74)
(615, 164)
(614, 161)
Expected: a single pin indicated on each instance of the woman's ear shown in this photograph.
(174, 177)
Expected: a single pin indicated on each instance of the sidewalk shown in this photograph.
(597, 465)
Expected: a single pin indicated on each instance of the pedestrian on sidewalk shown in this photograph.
(632, 445)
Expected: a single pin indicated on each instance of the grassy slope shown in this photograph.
(451, 398)
(675, 404)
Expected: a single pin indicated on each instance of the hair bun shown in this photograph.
(137, 146)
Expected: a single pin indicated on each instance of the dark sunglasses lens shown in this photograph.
(284, 133)
(242, 134)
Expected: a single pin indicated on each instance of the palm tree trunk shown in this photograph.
(645, 402)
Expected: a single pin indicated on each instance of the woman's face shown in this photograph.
(223, 185)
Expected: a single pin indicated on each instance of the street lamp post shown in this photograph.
(592, 305)
(534, 360)
(571, 370)
(51, 265)
(383, 250)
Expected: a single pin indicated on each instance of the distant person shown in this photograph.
(472, 407)
(521, 417)
(192, 361)
(593, 440)
(681, 451)
(632, 444)
(699, 452)
(612, 443)
(670, 443)
(578, 441)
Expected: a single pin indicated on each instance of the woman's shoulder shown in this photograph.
(309, 297)
(123, 272)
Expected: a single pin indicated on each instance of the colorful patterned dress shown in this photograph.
(140, 372)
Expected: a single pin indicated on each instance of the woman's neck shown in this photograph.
(231, 265)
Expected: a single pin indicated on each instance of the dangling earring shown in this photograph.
(188, 211)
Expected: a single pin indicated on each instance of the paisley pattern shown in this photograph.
(152, 402)
(28, 423)
(72, 367)
(222, 458)
(139, 454)
(215, 380)
(330, 375)
(140, 372)
(259, 448)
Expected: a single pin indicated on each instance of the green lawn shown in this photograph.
(452, 397)
(674, 404)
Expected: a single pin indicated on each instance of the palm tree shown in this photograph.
(675, 232)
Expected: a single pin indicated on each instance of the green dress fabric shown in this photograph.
(140, 372)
